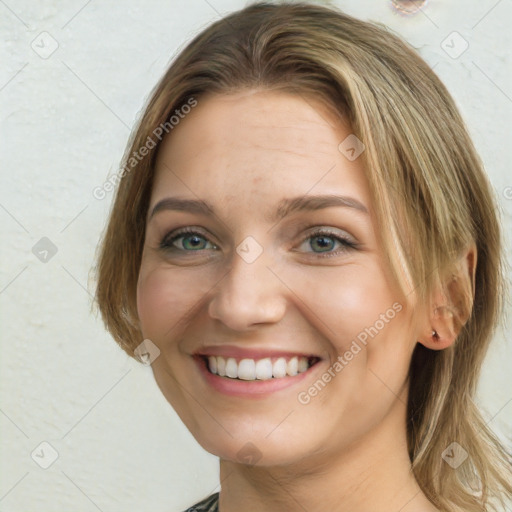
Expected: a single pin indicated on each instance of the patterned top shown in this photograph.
(210, 504)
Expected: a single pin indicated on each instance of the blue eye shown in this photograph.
(186, 240)
(324, 241)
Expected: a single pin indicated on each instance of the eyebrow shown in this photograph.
(284, 208)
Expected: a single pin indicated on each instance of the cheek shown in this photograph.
(162, 299)
(374, 316)
(348, 303)
(370, 315)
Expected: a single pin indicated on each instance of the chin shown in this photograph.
(254, 450)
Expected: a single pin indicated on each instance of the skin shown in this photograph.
(243, 153)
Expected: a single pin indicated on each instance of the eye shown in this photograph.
(324, 241)
(186, 240)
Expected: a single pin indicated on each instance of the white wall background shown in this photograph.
(65, 120)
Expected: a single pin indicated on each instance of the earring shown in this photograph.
(435, 335)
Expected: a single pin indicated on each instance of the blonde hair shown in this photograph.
(431, 198)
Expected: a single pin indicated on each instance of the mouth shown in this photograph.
(262, 369)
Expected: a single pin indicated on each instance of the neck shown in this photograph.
(371, 475)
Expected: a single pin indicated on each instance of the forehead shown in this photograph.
(274, 143)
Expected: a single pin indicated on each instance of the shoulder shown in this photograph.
(210, 504)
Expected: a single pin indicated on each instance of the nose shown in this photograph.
(249, 294)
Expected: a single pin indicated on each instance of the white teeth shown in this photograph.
(292, 368)
(279, 368)
(264, 369)
(231, 368)
(260, 369)
(221, 366)
(247, 369)
(302, 366)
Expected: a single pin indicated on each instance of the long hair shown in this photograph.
(428, 187)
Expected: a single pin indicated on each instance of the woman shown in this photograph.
(305, 246)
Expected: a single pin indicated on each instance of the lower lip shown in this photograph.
(253, 388)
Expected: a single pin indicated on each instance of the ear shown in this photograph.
(451, 305)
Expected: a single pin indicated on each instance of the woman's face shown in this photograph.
(280, 284)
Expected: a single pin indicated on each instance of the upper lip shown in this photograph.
(249, 353)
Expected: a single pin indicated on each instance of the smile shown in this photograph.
(258, 369)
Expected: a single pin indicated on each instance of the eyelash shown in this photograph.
(167, 243)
